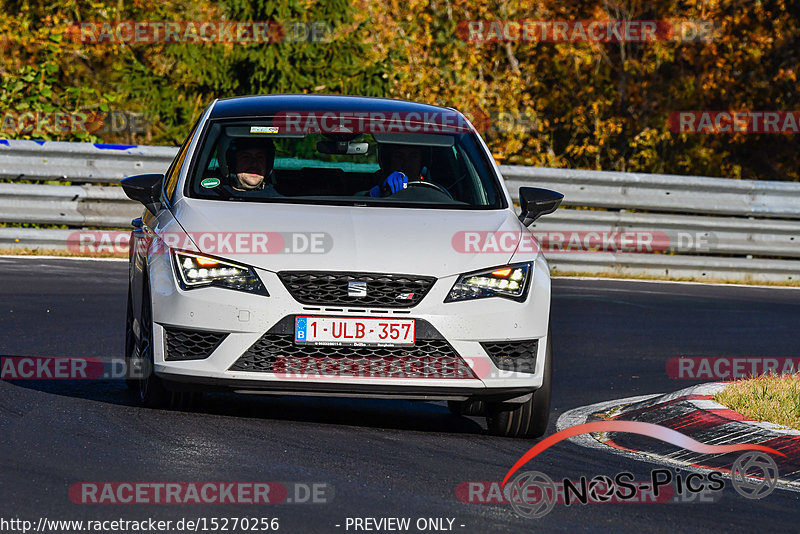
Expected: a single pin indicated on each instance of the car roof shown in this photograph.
(267, 105)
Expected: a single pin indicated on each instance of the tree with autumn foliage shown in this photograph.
(594, 105)
(605, 105)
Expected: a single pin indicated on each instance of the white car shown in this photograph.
(340, 246)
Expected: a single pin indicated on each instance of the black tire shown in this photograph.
(130, 347)
(152, 392)
(529, 419)
(469, 407)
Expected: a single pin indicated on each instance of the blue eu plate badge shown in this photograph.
(300, 329)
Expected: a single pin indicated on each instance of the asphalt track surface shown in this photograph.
(383, 458)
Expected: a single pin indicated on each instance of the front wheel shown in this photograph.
(528, 419)
(131, 373)
(152, 392)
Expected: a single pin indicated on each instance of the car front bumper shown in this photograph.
(243, 318)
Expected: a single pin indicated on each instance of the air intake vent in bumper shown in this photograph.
(519, 356)
(185, 344)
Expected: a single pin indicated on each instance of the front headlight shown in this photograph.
(196, 270)
(508, 281)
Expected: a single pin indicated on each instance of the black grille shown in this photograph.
(387, 290)
(191, 344)
(277, 353)
(519, 356)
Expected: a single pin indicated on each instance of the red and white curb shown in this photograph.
(693, 412)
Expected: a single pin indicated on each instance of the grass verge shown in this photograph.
(775, 399)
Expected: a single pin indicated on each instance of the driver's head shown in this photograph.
(250, 160)
(407, 159)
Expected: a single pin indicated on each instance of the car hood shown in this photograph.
(346, 238)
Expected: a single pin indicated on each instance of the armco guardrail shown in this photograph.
(713, 227)
(101, 206)
(663, 192)
(704, 227)
(80, 162)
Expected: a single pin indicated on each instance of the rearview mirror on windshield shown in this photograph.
(342, 147)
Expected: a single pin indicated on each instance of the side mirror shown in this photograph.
(536, 202)
(144, 188)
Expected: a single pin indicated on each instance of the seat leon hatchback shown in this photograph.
(340, 246)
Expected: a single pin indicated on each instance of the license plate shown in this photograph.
(353, 331)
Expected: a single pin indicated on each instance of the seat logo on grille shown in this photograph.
(356, 289)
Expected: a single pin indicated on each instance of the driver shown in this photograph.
(400, 162)
(250, 162)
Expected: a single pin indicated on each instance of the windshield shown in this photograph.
(256, 161)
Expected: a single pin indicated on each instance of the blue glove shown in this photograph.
(391, 185)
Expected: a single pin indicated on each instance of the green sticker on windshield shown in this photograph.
(210, 182)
